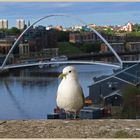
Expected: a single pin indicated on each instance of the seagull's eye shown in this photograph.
(70, 71)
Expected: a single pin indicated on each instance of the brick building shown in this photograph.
(83, 37)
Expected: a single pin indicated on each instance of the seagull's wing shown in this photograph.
(82, 94)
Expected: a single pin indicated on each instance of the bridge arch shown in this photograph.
(97, 33)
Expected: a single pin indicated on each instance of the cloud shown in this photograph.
(35, 10)
(67, 7)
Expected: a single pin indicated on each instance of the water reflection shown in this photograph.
(31, 93)
(15, 101)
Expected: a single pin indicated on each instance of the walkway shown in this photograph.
(41, 64)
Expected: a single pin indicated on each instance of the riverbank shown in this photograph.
(107, 128)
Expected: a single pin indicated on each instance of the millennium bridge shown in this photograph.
(4, 66)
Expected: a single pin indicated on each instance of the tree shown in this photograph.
(67, 48)
(136, 27)
(14, 31)
(11, 31)
(131, 105)
(109, 31)
(90, 47)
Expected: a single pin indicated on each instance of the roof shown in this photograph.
(129, 75)
(117, 92)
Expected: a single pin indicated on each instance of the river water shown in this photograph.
(31, 93)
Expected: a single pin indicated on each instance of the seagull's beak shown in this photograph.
(62, 75)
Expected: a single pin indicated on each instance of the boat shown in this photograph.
(40, 64)
(59, 58)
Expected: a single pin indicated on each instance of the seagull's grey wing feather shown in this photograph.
(82, 94)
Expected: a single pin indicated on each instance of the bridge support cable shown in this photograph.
(109, 46)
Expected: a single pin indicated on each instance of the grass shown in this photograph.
(122, 134)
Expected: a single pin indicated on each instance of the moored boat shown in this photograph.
(59, 58)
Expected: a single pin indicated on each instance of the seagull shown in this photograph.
(70, 95)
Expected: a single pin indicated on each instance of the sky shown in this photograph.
(99, 13)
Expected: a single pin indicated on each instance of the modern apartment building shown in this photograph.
(20, 23)
(3, 24)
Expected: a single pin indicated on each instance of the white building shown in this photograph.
(3, 24)
(20, 23)
(76, 28)
(49, 27)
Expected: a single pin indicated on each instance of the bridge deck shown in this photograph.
(13, 66)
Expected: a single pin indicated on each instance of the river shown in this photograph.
(30, 93)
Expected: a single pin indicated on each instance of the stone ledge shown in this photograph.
(102, 128)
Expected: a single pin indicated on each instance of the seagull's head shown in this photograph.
(69, 72)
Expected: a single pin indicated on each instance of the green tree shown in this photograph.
(11, 31)
(67, 48)
(136, 27)
(131, 106)
(90, 47)
(109, 31)
(14, 31)
(133, 34)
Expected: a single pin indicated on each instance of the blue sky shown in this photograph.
(100, 13)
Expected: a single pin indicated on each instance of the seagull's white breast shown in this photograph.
(70, 95)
